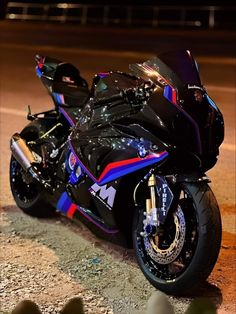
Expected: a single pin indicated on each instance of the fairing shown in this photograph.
(177, 130)
(107, 154)
(179, 117)
(194, 122)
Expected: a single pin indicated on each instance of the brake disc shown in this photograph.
(167, 256)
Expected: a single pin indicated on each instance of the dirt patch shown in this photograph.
(228, 209)
(53, 260)
(30, 270)
(223, 275)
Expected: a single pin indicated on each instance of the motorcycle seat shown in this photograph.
(74, 96)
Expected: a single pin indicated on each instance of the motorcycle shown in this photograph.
(128, 157)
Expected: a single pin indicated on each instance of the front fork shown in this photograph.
(158, 205)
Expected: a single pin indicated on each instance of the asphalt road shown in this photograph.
(205, 43)
(94, 50)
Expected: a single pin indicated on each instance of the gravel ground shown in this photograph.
(31, 270)
(50, 261)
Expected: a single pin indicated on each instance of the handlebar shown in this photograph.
(135, 97)
(107, 100)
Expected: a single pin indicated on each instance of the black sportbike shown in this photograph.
(128, 157)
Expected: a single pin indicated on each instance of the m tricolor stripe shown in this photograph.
(67, 207)
(117, 169)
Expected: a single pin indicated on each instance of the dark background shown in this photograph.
(137, 2)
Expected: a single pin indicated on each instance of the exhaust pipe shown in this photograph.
(26, 158)
(21, 152)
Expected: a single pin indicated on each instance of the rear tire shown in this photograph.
(197, 251)
(27, 193)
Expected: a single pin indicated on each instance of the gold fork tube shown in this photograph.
(151, 184)
(148, 206)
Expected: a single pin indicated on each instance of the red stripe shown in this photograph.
(71, 210)
(121, 163)
(174, 96)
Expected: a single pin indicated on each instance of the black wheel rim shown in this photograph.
(172, 270)
(23, 186)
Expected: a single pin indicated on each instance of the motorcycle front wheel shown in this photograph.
(184, 253)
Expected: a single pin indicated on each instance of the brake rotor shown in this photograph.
(168, 255)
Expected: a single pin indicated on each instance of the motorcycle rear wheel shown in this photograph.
(186, 252)
(29, 196)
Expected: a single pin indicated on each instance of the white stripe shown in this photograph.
(20, 113)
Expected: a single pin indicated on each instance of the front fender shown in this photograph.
(188, 177)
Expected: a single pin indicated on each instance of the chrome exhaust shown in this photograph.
(22, 152)
(26, 158)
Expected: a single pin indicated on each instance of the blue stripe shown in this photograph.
(38, 72)
(123, 170)
(119, 171)
(61, 200)
(64, 203)
(211, 102)
(68, 118)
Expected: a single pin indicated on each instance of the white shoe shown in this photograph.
(158, 303)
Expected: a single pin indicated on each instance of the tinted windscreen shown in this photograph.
(176, 68)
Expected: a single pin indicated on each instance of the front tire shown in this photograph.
(186, 252)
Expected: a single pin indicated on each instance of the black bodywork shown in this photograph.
(112, 143)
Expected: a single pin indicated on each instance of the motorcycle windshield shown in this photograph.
(176, 69)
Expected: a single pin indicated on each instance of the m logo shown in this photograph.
(105, 193)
